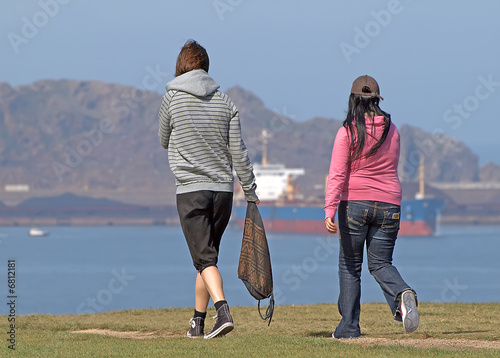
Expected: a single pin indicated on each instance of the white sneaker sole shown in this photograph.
(221, 331)
(409, 311)
(190, 336)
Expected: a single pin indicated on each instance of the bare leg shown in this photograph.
(201, 294)
(213, 283)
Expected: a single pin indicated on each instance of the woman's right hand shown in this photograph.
(330, 226)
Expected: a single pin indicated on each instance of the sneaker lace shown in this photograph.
(192, 322)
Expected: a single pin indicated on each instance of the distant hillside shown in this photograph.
(73, 134)
(490, 172)
(67, 200)
(69, 136)
(446, 159)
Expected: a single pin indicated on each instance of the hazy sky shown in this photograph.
(437, 62)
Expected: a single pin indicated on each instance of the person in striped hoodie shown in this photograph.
(200, 128)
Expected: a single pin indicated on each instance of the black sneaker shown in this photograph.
(409, 310)
(224, 323)
(197, 326)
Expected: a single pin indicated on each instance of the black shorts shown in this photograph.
(204, 216)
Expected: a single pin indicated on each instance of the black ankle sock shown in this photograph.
(219, 304)
(202, 315)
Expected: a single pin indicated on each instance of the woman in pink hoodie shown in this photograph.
(364, 189)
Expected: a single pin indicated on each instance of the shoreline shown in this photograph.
(454, 220)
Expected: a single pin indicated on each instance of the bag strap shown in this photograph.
(269, 310)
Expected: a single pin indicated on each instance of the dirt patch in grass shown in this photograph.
(129, 334)
(427, 343)
(363, 341)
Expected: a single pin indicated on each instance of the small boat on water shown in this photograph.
(37, 232)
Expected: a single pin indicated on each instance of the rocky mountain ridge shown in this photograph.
(69, 136)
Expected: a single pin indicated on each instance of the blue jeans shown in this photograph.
(377, 224)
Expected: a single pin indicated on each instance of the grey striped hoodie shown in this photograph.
(200, 127)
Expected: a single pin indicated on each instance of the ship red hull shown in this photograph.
(415, 228)
(407, 228)
(291, 226)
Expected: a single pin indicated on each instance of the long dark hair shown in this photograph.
(359, 108)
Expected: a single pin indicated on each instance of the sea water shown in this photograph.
(97, 269)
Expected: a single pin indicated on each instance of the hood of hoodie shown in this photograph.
(195, 82)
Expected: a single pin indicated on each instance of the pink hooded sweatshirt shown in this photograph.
(373, 178)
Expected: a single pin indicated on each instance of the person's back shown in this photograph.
(200, 117)
(203, 136)
(374, 177)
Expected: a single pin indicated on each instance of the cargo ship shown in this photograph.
(418, 217)
(282, 210)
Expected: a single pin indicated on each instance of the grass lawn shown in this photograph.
(446, 330)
